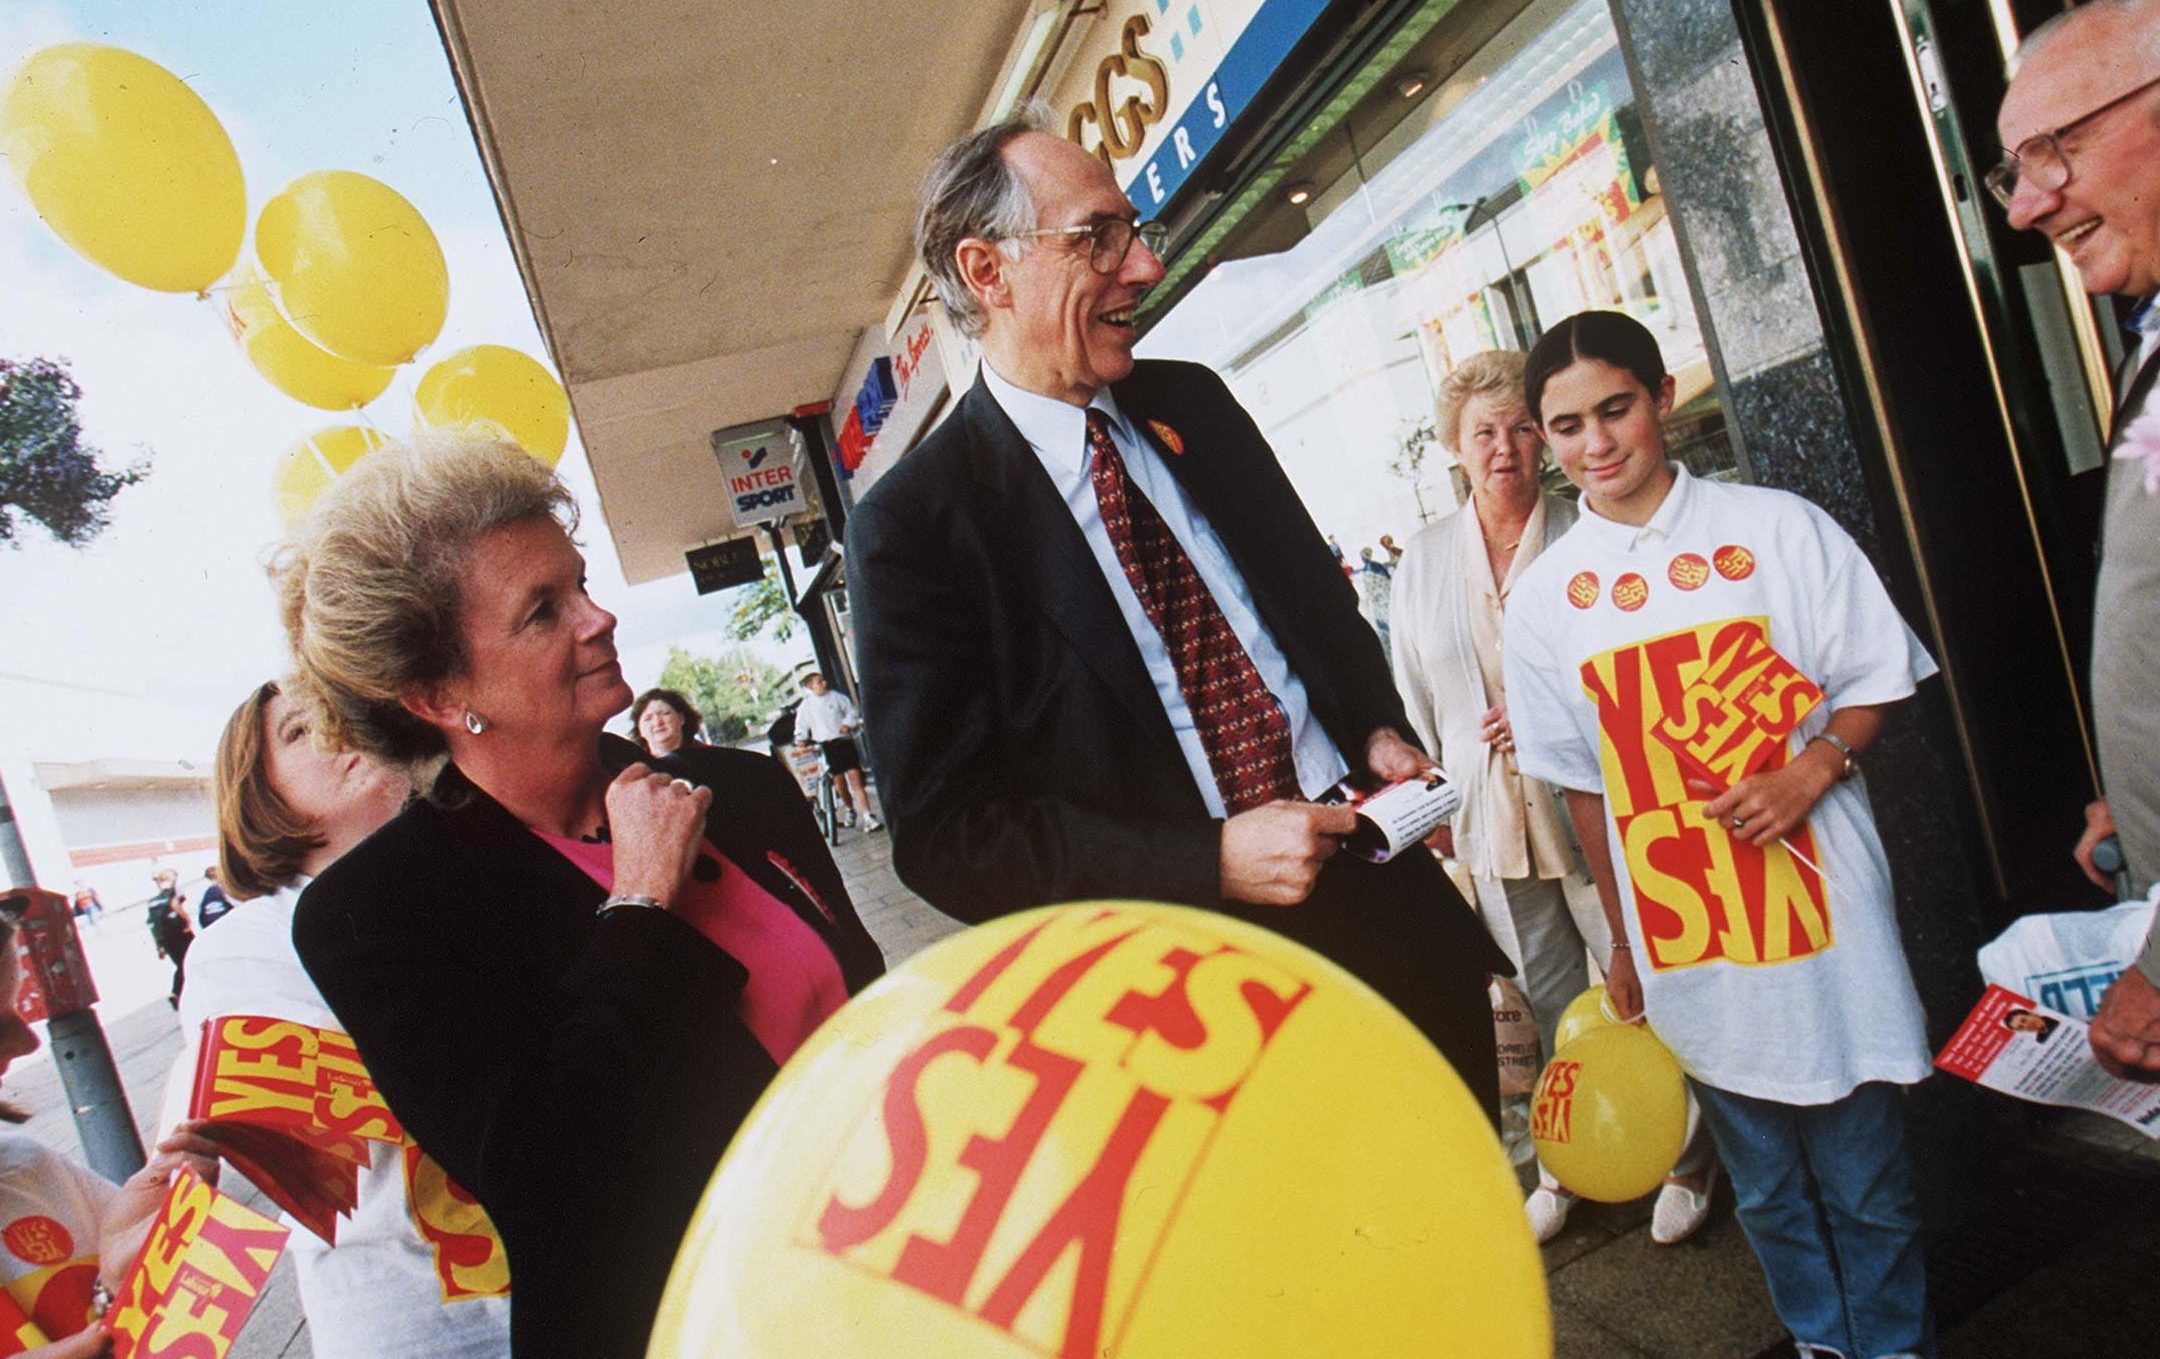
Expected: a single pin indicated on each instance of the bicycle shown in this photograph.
(817, 782)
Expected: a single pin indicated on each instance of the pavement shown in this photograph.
(2045, 1226)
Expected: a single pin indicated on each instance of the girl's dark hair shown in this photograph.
(1608, 336)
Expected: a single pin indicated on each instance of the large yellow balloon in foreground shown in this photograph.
(502, 390)
(294, 364)
(1114, 1130)
(306, 470)
(357, 269)
(126, 164)
(1610, 1113)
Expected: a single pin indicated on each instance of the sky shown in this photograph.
(170, 606)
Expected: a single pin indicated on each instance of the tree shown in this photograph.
(738, 692)
(761, 607)
(46, 471)
(1413, 443)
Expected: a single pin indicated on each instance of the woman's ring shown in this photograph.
(683, 784)
(1739, 823)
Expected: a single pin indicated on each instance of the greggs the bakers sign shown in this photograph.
(974, 1196)
(1712, 703)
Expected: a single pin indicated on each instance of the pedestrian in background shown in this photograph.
(663, 721)
(170, 927)
(215, 905)
(827, 719)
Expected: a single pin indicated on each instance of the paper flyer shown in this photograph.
(294, 1110)
(1394, 817)
(201, 1270)
(2029, 1052)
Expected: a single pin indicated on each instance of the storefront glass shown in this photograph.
(1519, 190)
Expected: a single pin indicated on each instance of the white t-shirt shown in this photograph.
(824, 717)
(50, 1213)
(1762, 977)
(378, 1294)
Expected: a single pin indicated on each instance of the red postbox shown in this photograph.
(48, 955)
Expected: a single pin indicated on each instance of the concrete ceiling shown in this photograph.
(709, 203)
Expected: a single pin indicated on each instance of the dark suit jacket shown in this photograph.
(579, 1075)
(1022, 753)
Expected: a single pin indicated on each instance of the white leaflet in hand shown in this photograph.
(1400, 815)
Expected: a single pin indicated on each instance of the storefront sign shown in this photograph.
(1178, 72)
(851, 445)
(759, 464)
(721, 566)
(875, 398)
(918, 365)
(1117, 130)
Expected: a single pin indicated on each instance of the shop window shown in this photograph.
(1517, 190)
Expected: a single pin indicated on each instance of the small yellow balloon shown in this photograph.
(306, 469)
(357, 269)
(1610, 1113)
(292, 363)
(1111, 1129)
(502, 390)
(1590, 1010)
(126, 164)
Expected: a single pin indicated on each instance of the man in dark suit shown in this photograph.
(2080, 127)
(1105, 652)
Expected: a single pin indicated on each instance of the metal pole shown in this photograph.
(779, 551)
(95, 1095)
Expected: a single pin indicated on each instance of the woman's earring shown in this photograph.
(474, 722)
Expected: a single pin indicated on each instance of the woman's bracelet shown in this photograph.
(1623, 944)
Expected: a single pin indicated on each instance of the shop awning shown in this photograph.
(709, 203)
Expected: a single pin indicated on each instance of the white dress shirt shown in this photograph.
(1057, 431)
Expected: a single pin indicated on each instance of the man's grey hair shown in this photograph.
(2073, 20)
(971, 191)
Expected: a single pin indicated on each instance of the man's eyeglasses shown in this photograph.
(2041, 160)
(1109, 240)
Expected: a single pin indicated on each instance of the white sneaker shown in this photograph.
(1681, 1211)
(872, 825)
(1547, 1208)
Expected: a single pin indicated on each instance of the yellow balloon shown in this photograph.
(1610, 1113)
(502, 390)
(294, 364)
(306, 469)
(1590, 1010)
(126, 164)
(1112, 1129)
(357, 269)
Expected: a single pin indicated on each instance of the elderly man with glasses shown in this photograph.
(1104, 651)
(2081, 124)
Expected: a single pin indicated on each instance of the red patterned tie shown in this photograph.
(1241, 726)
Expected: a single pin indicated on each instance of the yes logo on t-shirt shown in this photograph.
(1714, 703)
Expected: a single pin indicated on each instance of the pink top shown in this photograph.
(795, 981)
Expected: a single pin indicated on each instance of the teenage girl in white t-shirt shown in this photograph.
(1755, 919)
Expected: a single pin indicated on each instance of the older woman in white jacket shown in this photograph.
(1450, 595)
(1512, 833)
